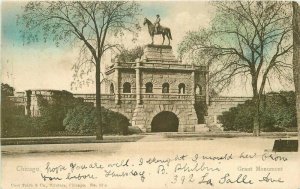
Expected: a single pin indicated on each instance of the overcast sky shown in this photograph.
(44, 66)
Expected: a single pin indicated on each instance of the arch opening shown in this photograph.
(112, 89)
(165, 88)
(181, 88)
(149, 87)
(126, 87)
(165, 122)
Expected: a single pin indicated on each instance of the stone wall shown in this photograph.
(126, 107)
(29, 99)
(158, 78)
(141, 115)
(127, 76)
(219, 105)
(144, 114)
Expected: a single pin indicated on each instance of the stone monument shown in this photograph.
(157, 92)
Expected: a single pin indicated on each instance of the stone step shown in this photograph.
(215, 128)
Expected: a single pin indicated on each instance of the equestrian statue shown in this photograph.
(157, 29)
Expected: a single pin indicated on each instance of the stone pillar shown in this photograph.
(138, 82)
(193, 84)
(139, 118)
(28, 103)
(117, 87)
(207, 86)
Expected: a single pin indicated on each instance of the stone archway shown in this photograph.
(165, 121)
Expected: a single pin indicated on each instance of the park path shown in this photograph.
(153, 137)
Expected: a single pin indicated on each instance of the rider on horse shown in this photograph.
(157, 29)
(157, 23)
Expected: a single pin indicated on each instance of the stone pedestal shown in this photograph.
(159, 54)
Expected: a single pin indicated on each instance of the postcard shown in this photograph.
(150, 94)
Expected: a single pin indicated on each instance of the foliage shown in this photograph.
(213, 93)
(61, 113)
(83, 119)
(15, 123)
(279, 110)
(54, 110)
(246, 38)
(13, 119)
(239, 118)
(201, 111)
(249, 41)
(6, 90)
(90, 25)
(130, 55)
(278, 113)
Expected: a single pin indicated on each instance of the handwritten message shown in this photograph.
(204, 170)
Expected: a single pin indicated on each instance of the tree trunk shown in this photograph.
(296, 60)
(256, 120)
(99, 134)
(256, 100)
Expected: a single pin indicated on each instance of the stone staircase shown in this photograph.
(215, 128)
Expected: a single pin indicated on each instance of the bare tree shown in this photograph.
(246, 39)
(296, 58)
(87, 24)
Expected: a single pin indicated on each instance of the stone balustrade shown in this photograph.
(127, 96)
(152, 96)
(156, 65)
(17, 99)
(230, 99)
(199, 98)
(144, 96)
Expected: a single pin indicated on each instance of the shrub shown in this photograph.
(82, 119)
(61, 113)
(277, 113)
(14, 123)
(239, 118)
(54, 110)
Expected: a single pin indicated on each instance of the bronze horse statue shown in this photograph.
(164, 31)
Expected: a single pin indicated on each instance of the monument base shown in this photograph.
(159, 54)
(158, 46)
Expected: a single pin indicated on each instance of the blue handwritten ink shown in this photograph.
(269, 179)
(241, 179)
